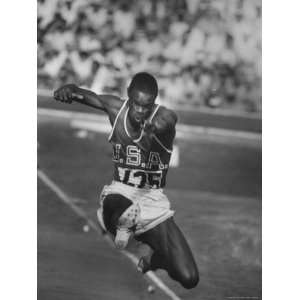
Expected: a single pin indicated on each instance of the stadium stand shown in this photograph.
(204, 53)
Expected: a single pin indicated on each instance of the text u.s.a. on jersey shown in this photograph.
(140, 178)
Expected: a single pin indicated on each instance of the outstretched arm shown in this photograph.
(70, 92)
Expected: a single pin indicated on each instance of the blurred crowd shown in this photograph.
(203, 52)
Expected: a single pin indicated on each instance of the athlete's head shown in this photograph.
(142, 93)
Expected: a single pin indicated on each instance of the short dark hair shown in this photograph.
(144, 82)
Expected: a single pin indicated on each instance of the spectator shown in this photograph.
(204, 52)
(68, 9)
(124, 21)
(54, 62)
(46, 12)
(82, 64)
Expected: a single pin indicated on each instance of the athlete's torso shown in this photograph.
(142, 162)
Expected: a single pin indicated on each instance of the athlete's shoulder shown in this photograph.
(112, 105)
(111, 102)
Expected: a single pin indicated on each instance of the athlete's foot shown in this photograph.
(127, 220)
(122, 237)
(143, 265)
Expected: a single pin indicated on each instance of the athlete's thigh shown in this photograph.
(168, 240)
(113, 207)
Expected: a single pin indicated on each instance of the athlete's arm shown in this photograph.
(70, 92)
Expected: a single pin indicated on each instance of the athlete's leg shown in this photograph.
(172, 253)
(113, 207)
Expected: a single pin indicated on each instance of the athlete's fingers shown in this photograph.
(64, 95)
(148, 127)
(77, 96)
(68, 95)
(57, 95)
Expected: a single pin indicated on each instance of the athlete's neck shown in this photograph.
(133, 128)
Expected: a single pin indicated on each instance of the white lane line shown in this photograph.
(56, 113)
(205, 195)
(80, 212)
(99, 123)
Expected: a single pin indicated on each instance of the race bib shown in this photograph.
(140, 178)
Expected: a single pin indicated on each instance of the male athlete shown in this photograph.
(134, 203)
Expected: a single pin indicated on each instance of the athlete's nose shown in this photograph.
(140, 110)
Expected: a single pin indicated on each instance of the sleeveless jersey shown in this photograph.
(134, 163)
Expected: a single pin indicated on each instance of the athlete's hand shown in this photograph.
(68, 93)
(164, 120)
(148, 127)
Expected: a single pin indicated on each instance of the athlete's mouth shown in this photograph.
(139, 119)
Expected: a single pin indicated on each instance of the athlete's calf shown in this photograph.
(171, 253)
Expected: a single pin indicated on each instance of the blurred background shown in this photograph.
(204, 53)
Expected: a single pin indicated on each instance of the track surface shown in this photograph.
(215, 191)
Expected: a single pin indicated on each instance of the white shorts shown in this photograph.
(154, 204)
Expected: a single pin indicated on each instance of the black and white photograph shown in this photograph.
(149, 149)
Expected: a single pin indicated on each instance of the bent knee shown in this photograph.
(190, 281)
(189, 278)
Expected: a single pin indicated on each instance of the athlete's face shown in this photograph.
(141, 105)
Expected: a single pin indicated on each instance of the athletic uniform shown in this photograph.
(139, 173)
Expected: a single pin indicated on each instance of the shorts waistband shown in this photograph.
(147, 189)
